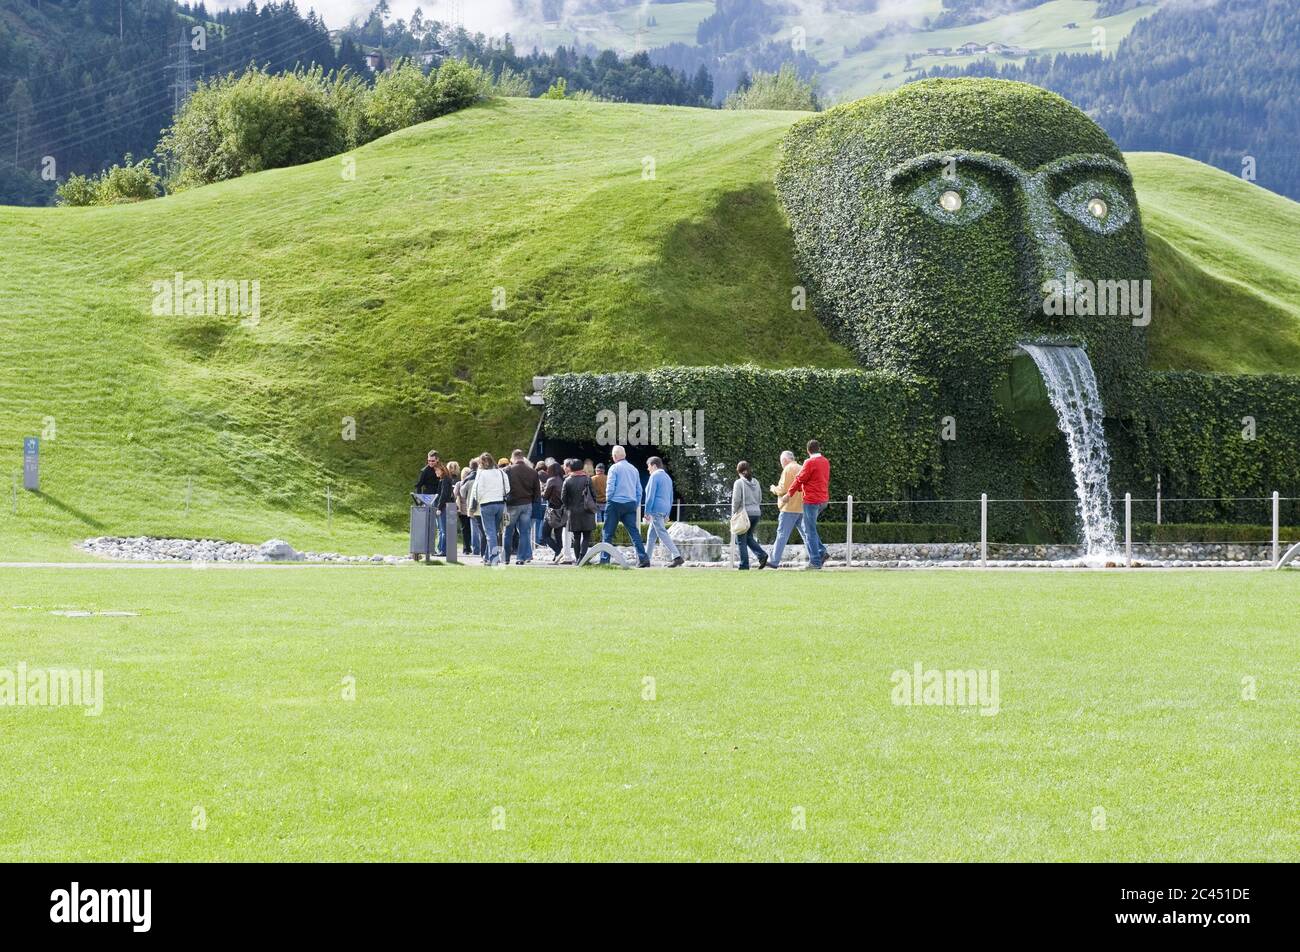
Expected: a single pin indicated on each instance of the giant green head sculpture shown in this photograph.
(942, 224)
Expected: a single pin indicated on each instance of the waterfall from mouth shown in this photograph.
(1072, 388)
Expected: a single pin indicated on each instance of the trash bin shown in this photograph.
(423, 521)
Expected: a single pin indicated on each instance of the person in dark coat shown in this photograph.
(552, 515)
(427, 484)
(580, 502)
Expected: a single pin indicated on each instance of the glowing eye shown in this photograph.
(1097, 208)
(950, 201)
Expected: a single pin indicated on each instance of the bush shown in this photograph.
(781, 90)
(128, 182)
(458, 85)
(1213, 436)
(1194, 532)
(78, 190)
(232, 126)
(348, 94)
(512, 84)
(402, 97)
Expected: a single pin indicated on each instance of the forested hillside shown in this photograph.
(1217, 81)
(82, 82)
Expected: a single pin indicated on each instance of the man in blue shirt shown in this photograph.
(622, 496)
(658, 503)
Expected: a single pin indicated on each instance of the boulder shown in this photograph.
(696, 544)
(277, 550)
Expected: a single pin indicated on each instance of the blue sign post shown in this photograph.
(31, 463)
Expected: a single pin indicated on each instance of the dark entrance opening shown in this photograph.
(565, 449)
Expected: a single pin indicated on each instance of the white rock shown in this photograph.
(277, 550)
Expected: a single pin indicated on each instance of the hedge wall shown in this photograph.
(880, 430)
(1201, 441)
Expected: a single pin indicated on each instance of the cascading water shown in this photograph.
(1072, 388)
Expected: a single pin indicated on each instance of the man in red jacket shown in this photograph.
(814, 481)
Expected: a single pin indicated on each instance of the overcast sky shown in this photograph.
(490, 16)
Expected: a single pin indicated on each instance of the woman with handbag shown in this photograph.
(553, 516)
(746, 499)
(580, 507)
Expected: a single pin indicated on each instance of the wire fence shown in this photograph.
(1253, 528)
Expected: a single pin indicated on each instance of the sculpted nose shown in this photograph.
(1048, 257)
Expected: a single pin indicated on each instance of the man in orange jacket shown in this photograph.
(814, 481)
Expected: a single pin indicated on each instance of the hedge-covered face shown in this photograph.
(943, 223)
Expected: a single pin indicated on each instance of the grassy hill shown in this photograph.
(1223, 252)
(377, 296)
(377, 304)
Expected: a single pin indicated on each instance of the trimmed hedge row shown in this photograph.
(879, 429)
(1213, 436)
(1193, 532)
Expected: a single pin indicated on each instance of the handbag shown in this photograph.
(739, 522)
(555, 518)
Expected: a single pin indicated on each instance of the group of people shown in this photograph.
(506, 508)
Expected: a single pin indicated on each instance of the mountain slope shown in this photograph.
(376, 307)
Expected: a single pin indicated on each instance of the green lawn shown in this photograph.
(523, 690)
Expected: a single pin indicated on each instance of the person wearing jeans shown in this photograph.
(814, 481)
(658, 503)
(491, 487)
(622, 496)
(492, 514)
(746, 494)
(539, 508)
(525, 492)
(598, 481)
(790, 506)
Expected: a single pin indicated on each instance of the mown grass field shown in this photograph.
(525, 690)
(377, 307)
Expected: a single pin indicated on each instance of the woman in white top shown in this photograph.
(746, 494)
(491, 486)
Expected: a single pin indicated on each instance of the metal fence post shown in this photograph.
(1275, 529)
(849, 534)
(984, 529)
(679, 511)
(1158, 499)
(189, 491)
(329, 510)
(1128, 529)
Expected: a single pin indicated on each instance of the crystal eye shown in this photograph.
(950, 201)
(1098, 208)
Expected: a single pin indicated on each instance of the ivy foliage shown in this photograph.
(1223, 435)
(879, 429)
(913, 287)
